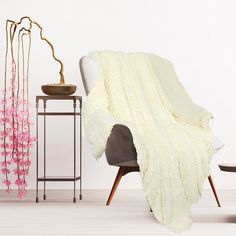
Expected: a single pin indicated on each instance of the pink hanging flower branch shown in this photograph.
(15, 137)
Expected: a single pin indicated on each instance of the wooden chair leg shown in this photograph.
(214, 190)
(119, 175)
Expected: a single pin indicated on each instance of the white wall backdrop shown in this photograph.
(199, 37)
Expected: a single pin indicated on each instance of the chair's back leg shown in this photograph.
(214, 190)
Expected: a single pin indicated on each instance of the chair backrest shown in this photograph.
(120, 149)
(89, 70)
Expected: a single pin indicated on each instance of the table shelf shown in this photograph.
(58, 113)
(59, 178)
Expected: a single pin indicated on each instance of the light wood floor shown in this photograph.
(128, 215)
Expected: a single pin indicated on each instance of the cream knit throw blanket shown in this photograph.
(171, 134)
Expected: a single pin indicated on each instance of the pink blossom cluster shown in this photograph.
(15, 140)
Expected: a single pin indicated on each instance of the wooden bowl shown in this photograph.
(58, 89)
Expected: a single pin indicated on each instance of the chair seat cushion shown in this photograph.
(120, 147)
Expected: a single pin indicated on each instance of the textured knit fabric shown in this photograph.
(171, 134)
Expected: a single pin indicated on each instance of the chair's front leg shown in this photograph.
(119, 175)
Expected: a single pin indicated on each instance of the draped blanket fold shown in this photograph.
(171, 134)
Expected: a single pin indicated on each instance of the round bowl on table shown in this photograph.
(58, 89)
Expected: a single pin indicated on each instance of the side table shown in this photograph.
(74, 114)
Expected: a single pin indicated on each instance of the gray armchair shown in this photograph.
(120, 150)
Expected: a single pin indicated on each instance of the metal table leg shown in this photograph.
(44, 148)
(74, 105)
(37, 154)
(80, 152)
